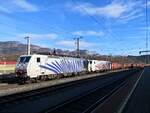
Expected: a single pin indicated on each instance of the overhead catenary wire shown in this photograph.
(49, 28)
(64, 32)
(95, 20)
(112, 35)
(46, 27)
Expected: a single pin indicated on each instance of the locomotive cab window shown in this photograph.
(25, 59)
(38, 59)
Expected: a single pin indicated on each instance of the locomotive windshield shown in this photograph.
(24, 59)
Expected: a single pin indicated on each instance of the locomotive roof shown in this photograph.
(52, 56)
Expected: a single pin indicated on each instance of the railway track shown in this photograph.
(98, 94)
(38, 92)
(87, 102)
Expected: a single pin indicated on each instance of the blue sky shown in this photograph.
(115, 27)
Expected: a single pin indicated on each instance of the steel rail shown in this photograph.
(24, 95)
(44, 91)
(90, 108)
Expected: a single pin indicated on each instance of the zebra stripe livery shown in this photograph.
(64, 66)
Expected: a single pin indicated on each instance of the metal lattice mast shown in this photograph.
(28, 44)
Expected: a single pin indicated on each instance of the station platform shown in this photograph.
(139, 102)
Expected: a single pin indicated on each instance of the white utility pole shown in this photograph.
(28, 44)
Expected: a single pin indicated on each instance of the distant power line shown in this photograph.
(42, 27)
(54, 29)
(96, 21)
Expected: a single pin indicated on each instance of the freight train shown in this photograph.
(45, 66)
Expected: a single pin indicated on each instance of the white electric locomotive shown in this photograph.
(98, 65)
(41, 66)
